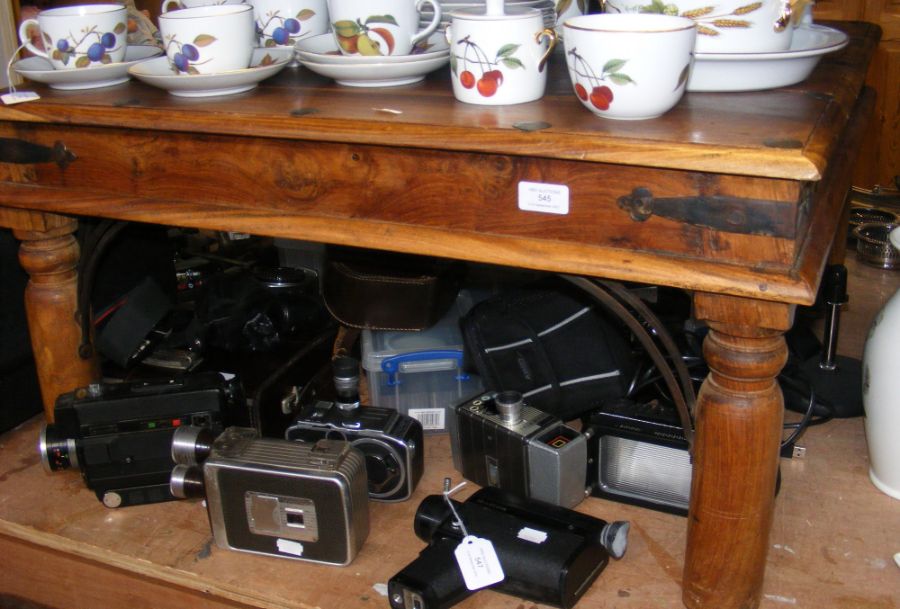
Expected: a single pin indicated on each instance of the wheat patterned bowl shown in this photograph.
(727, 26)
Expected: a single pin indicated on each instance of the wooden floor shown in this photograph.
(832, 543)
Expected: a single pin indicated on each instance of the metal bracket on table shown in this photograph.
(27, 153)
(728, 214)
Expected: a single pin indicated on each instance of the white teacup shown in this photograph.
(83, 36)
(281, 23)
(499, 59)
(176, 5)
(726, 26)
(209, 39)
(629, 66)
(380, 27)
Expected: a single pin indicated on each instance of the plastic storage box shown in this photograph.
(420, 373)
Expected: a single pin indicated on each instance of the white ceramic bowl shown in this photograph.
(629, 66)
(725, 26)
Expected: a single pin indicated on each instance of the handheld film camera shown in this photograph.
(120, 434)
(499, 440)
(274, 497)
(548, 554)
(391, 441)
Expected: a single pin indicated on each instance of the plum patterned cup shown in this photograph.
(83, 36)
(209, 39)
(727, 26)
(499, 59)
(281, 23)
(380, 27)
(175, 5)
(629, 66)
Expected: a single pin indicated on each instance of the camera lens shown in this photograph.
(346, 381)
(186, 482)
(56, 453)
(509, 406)
(191, 445)
(384, 467)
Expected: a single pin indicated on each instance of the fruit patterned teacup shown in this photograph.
(727, 26)
(209, 39)
(83, 36)
(380, 27)
(499, 59)
(629, 66)
(175, 5)
(281, 23)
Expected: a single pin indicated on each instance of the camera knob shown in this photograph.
(509, 406)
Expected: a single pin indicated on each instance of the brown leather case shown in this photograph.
(388, 291)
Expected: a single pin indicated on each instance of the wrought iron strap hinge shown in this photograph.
(728, 214)
(27, 153)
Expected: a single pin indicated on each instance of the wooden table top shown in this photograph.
(783, 133)
(411, 169)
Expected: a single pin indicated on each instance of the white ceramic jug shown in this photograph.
(881, 393)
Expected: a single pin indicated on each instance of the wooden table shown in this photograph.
(733, 196)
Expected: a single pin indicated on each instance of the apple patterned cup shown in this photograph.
(380, 27)
(83, 36)
(175, 5)
(499, 58)
(629, 66)
(727, 26)
(281, 23)
(209, 39)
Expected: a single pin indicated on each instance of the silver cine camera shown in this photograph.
(499, 440)
(276, 497)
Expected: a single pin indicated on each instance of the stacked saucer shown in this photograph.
(159, 73)
(40, 70)
(320, 54)
(547, 8)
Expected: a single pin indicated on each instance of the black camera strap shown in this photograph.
(645, 325)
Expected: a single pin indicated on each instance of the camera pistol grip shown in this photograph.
(431, 581)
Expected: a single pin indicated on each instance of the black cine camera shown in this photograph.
(499, 440)
(549, 554)
(274, 497)
(391, 441)
(120, 434)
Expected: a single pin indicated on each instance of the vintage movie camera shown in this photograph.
(120, 434)
(499, 440)
(391, 441)
(274, 497)
(548, 554)
(638, 455)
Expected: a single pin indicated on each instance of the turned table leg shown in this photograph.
(50, 257)
(736, 451)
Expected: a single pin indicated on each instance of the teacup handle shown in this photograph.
(26, 39)
(548, 34)
(169, 5)
(435, 22)
(784, 19)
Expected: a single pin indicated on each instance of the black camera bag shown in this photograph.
(553, 345)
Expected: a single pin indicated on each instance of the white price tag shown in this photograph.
(546, 198)
(478, 562)
(17, 97)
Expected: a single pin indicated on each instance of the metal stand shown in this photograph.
(836, 379)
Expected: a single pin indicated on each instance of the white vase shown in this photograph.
(881, 393)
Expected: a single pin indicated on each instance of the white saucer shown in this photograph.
(39, 69)
(323, 49)
(379, 74)
(759, 71)
(158, 72)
